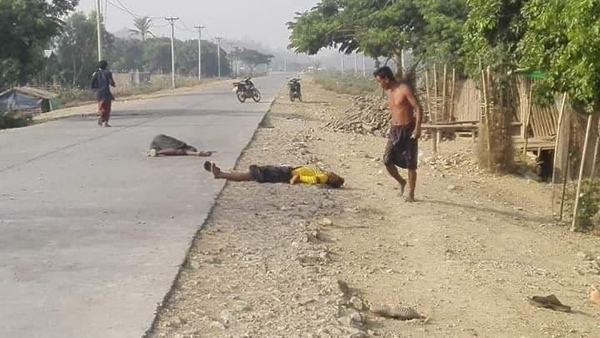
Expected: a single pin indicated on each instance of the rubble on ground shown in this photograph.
(366, 115)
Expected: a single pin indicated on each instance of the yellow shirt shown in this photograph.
(310, 175)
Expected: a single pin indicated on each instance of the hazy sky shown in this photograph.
(260, 20)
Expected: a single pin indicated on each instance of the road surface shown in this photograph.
(92, 231)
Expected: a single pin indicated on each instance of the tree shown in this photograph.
(381, 28)
(562, 40)
(492, 33)
(26, 29)
(444, 28)
(76, 49)
(252, 58)
(142, 27)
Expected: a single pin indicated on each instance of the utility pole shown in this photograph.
(218, 39)
(199, 28)
(99, 29)
(172, 20)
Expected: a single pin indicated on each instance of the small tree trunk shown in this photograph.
(400, 65)
(575, 224)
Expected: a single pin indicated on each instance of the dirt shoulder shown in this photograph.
(121, 102)
(467, 255)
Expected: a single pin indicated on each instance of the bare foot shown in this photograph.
(205, 153)
(402, 186)
(410, 199)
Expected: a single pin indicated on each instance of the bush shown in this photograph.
(351, 84)
(14, 120)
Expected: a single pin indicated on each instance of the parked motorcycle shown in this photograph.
(295, 89)
(245, 89)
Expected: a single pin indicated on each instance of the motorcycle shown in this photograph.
(295, 89)
(245, 89)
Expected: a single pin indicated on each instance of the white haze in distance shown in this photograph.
(259, 20)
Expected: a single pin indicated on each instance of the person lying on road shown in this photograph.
(278, 174)
(163, 145)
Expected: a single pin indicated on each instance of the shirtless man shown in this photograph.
(403, 142)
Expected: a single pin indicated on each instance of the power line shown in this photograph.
(127, 9)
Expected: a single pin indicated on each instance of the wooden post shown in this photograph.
(530, 112)
(490, 122)
(561, 118)
(452, 118)
(435, 140)
(564, 184)
(427, 95)
(596, 148)
(581, 170)
(435, 91)
(444, 92)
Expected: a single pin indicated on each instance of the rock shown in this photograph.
(451, 188)
(594, 295)
(326, 222)
(357, 303)
(359, 335)
(344, 288)
(585, 256)
(402, 313)
(218, 325)
(227, 317)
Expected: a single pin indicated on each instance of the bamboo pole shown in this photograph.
(529, 114)
(596, 148)
(581, 170)
(487, 115)
(452, 118)
(435, 91)
(564, 183)
(561, 118)
(444, 92)
(427, 94)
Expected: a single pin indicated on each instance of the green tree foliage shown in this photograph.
(77, 51)
(563, 40)
(26, 29)
(382, 28)
(142, 27)
(492, 33)
(445, 21)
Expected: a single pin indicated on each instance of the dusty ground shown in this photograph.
(467, 255)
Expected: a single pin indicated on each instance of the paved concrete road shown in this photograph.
(92, 231)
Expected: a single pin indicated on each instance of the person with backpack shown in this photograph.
(102, 80)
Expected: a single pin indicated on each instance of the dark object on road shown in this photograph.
(549, 302)
(246, 89)
(295, 89)
(163, 145)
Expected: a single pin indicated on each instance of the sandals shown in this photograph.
(208, 166)
(549, 302)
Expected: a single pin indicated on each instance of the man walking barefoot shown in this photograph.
(403, 140)
(102, 80)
